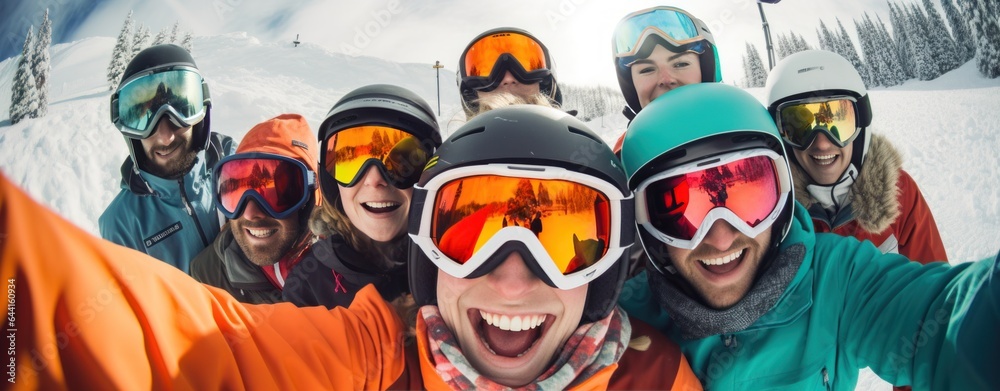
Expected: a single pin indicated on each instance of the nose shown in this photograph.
(165, 132)
(822, 142)
(721, 236)
(508, 80)
(512, 279)
(373, 178)
(253, 211)
(667, 78)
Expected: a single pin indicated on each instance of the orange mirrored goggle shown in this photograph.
(398, 155)
(484, 54)
(800, 121)
(568, 227)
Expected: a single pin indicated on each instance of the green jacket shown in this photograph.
(849, 306)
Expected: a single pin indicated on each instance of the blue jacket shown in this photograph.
(169, 219)
(848, 307)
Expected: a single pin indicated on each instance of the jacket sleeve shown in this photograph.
(114, 228)
(87, 312)
(919, 238)
(915, 324)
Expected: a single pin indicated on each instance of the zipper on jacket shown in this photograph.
(190, 211)
(730, 341)
(826, 378)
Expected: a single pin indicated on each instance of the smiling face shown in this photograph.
(263, 238)
(823, 160)
(510, 85)
(509, 323)
(168, 150)
(723, 266)
(663, 71)
(375, 207)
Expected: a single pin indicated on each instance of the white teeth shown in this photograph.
(724, 260)
(512, 323)
(261, 233)
(823, 159)
(380, 205)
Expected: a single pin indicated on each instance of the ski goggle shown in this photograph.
(800, 121)
(570, 224)
(485, 61)
(281, 185)
(747, 189)
(399, 155)
(674, 25)
(140, 102)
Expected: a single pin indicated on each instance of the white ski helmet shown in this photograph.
(819, 73)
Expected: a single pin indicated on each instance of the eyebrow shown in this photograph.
(647, 60)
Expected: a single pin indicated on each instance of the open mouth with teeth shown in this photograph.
(380, 207)
(261, 233)
(724, 264)
(824, 160)
(509, 335)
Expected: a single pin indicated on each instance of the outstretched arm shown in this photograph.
(85, 312)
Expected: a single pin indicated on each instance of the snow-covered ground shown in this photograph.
(947, 129)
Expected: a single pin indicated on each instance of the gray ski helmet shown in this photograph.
(158, 56)
(818, 73)
(547, 84)
(529, 135)
(711, 70)
(381, 105)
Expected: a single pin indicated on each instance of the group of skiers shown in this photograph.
(797, 278)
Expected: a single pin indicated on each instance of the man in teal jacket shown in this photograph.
(165, 206)
(756, 298)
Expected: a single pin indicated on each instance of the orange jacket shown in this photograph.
(95, 315)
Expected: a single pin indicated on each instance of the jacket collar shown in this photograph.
(872, 197)
(143, 183)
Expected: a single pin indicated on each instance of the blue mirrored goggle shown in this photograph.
(140, 102)
(671, 24)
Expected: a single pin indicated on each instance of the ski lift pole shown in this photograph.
(437, 68)
(767, 33)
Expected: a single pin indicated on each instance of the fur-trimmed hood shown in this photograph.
(874, 195)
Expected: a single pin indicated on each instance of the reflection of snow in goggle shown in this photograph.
(747, 189)
(671, 24)
(800, 121)
(281, 185)
(570, 223)
(143, 100)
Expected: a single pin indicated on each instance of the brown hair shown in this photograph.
(329, 219)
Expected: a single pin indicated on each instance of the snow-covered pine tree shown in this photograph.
(850, 52)
(139, 39)
(174, 32)
(986, 33)
(784, 48)
(942, 46)
(41, 64)
(800, 43)
(902, 41)
(24, 96)
(120, 55)
(964, 44)
(916, 30)
(826, 40)
(160, 38)
(866, 41)
(746, 72)
(887, 49)
(188, 43)
(757, 71)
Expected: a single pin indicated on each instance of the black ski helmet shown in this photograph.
(711, 70)
(159, 56)
(530, 135)
(548, 86)
(382, 105)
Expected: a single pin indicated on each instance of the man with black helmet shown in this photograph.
(162, 108)
(506, 59)
(755, 297)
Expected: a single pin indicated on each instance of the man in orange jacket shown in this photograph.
(87, 312)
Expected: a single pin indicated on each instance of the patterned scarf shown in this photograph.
(592, 347)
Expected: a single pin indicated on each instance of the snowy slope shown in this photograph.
(947, 129)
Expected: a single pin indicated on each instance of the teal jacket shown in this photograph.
(849, 306)
(170, 219)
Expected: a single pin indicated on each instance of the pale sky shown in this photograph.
(577, 32)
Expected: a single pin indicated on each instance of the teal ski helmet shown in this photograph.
(694, 123)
